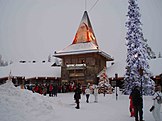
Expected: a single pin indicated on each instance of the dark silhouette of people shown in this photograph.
(55, 90)
(50, 90)
(77, 96)
(137, 103)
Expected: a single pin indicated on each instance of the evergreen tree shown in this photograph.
(159, 55)
(137, 55)
(103, 78)
(57, 61)
(104, 82)
(2, 62)
(151, 54)
(49, 58)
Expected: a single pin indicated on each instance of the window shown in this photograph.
(67, 61)
(81, 60)
(90, 61)
(73, 61)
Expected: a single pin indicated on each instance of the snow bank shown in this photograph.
(17, 104)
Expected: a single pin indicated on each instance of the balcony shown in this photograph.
(75, 66)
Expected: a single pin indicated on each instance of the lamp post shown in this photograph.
(116, 77)
(141, 74)
(140, 70)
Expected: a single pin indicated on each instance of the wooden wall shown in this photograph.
(93, 63)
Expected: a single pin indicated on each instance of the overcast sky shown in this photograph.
(34, 29)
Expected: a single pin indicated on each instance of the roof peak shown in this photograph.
(85, 31)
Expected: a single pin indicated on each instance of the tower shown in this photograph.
(82, 60)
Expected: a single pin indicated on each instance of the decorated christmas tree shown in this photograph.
(137, 69)
(104, 82)
(103, 79)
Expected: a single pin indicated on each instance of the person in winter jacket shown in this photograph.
(44, 87)
(36, 89)
(87, 92)
(77, 96)
(50, 90)
(96, 94)
(55, 90)
(137, 103)
(157, 106)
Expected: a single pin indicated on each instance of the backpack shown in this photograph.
(159, 99)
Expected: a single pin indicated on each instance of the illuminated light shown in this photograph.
(136, 55)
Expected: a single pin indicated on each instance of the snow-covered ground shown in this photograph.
(23, 105)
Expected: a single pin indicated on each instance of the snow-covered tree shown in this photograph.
(49, 58)
(137, 55)
(103, 78)
(2, 62)
(159, 56)
(151, 54)
(104, 82)
(10, 62)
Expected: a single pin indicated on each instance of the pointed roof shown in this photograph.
(84, 41)
(85, 32)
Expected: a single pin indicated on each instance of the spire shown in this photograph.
(85, 32)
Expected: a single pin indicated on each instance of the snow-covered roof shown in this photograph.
(119, 68)
(156, 66)
(79, 47)
(82, 48)
(29, 70)
(4, 71)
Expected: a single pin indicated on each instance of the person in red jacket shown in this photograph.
(50, 90)
(131, 107)
(36, 89)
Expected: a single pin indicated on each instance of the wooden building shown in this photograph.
(82, 60)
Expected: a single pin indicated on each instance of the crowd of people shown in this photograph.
(44, 89)
(51, 89)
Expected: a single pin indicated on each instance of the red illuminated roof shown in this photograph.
(85, 32)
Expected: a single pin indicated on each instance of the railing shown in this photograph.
(75, 66)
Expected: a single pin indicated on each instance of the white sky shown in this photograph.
(33, 29)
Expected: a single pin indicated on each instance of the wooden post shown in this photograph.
(116, 77)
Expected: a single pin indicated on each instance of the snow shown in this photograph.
(29, 70)
(119, 68)
(38, 69)
(79, 47)
(82, 48)
(156, 66)
(23, 105)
